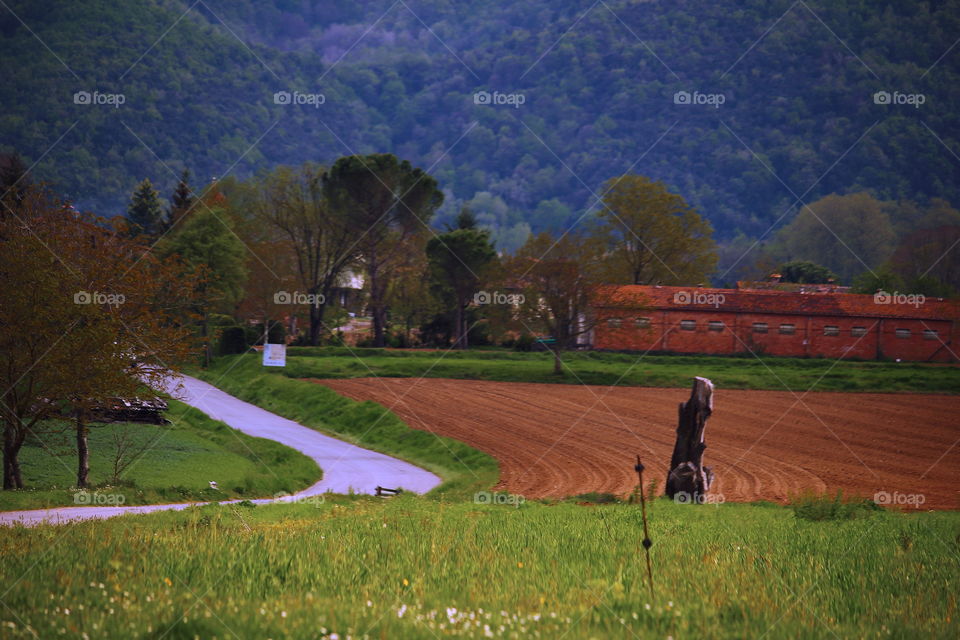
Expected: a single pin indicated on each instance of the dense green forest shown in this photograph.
(597, 82)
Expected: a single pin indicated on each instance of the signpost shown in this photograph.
(274, 355)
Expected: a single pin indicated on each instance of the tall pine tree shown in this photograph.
(144, 212)
(457, 261)
(13, 182)
(181, 201)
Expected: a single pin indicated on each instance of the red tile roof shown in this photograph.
(759, 301)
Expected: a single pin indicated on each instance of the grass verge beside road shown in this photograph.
(178, 462)
(412, 567)
(367, 424)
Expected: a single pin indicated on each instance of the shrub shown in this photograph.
(820, 507)
(233, 340)
(524, 342)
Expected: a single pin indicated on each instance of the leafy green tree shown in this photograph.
(928, 261)
(556, 280)
(883, 278)
(805, 272)
(654, 235)
(457, 261)
(323, 239)
(144, 212)
(214, 255)
(387, 201)
(848, 234)
(87, 314)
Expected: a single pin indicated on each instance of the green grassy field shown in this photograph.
(442, 565)
(796, 374)
(415, 567)
(177, 465)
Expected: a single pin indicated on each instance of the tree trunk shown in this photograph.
(206, 342)
(315, 322)
(688, 480)
(376, 305)
(83, 451)
(557, 360)
(460, 337)
(11, 463)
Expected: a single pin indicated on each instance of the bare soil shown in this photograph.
(557, 440)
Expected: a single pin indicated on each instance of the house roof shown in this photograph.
(636, 297)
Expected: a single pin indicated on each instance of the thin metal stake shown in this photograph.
(647, 542)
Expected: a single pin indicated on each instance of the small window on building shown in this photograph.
(688, 325)
(613, 323)
(903, 333)
(643, 323)
(929, 334)
(760, 327)
(788, 329)
(858, 332)
(715, 325)
(831, 330)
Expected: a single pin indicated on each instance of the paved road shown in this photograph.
(345, 466)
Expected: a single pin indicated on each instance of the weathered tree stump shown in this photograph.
(689, 480)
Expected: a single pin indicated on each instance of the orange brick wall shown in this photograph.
(665, 334)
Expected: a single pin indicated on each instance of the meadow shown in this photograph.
(444, 565)
(176, 464)
(415, 567)
(587, 367)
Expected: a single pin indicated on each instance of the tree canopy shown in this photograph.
(654, 236)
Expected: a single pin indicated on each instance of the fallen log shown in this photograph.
(688, 480)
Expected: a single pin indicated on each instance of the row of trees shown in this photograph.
(349, 219)
(313, 228)
(865, 242)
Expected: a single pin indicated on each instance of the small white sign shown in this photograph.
(274, 355)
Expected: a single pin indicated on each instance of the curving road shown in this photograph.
(346, 467)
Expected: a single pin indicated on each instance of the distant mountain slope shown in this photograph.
(597, 83)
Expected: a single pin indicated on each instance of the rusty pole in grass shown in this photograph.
(647, 543)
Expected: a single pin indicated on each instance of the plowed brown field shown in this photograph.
(560, 440)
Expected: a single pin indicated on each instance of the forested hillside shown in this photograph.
(589, 91)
